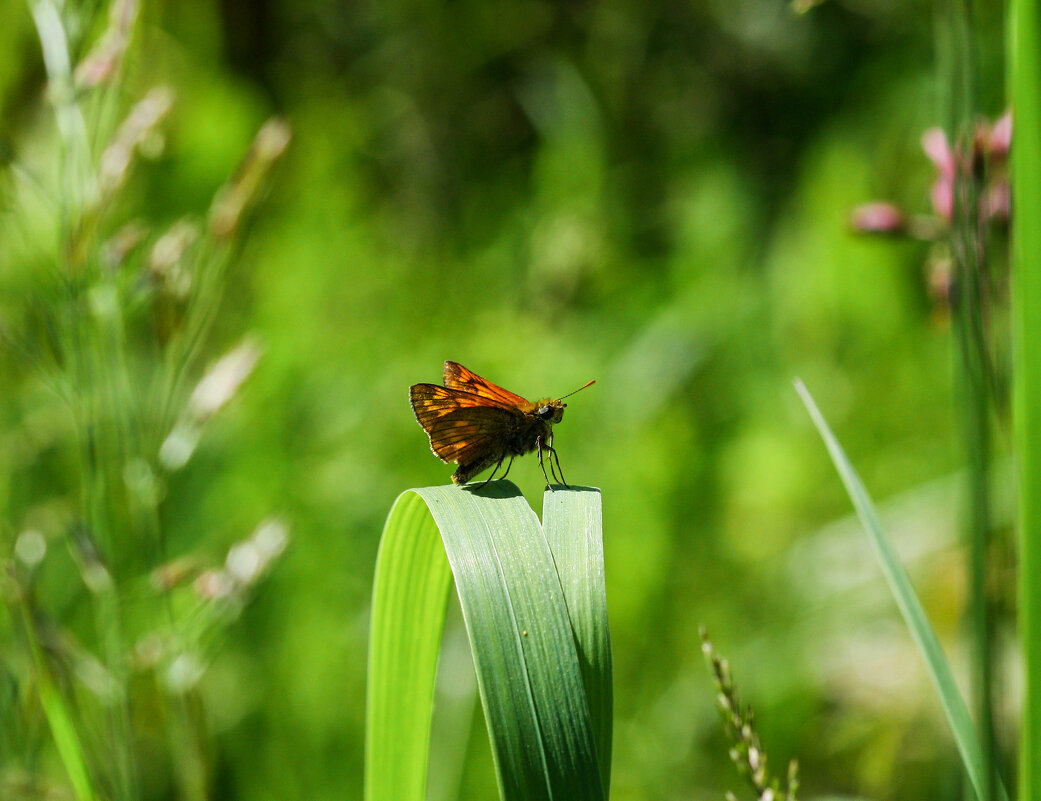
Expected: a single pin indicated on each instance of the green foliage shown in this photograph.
(654, 195)
(111, 317)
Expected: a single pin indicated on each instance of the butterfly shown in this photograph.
(477, 424)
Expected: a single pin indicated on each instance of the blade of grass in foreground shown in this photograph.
(910, 607)
(1025, 80)
(522, 630)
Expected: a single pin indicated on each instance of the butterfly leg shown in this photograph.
(496, 470)
(507, 469)
(555, 469)
(554, 466)
(541, 446)
(559, 469)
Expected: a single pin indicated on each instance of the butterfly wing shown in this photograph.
(458, 377)
(463, 426)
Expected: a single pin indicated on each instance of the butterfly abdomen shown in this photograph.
(470, 469)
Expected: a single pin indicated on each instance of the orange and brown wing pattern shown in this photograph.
(462, 426)
(458, 377)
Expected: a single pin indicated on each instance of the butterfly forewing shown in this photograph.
(458, 377)
(429, 401)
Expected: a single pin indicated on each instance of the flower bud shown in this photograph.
(878, 218)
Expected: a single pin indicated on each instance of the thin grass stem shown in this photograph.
(968, 307)
(1025, 61)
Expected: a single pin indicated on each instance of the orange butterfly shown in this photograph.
(476, 424)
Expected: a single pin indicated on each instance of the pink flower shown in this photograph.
(934, 143)
(999, 140)
(996, 202)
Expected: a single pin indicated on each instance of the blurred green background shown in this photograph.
(655, 195)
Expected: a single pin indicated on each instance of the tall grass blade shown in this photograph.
(523, 630)
(910, 607)
(1025, 81)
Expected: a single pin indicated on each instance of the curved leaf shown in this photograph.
(526, 635)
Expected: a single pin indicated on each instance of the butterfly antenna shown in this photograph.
(577, 390)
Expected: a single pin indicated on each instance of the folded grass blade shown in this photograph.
(526, 633)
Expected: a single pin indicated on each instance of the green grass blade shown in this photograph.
(1025, 80)
(67, 740)
(573, 522)
(953, 704)
(63, 728)
(523, 642)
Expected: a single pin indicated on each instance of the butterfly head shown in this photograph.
(550, 411)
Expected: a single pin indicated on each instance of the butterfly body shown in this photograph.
(478, 425)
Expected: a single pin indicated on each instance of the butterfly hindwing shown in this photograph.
(468, 435)
(462, 426)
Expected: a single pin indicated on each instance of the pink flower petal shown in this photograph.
(934, 143)
(1000, 139)
(996, 202)
(942, 196)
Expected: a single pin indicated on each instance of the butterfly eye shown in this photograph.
(545, 412)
